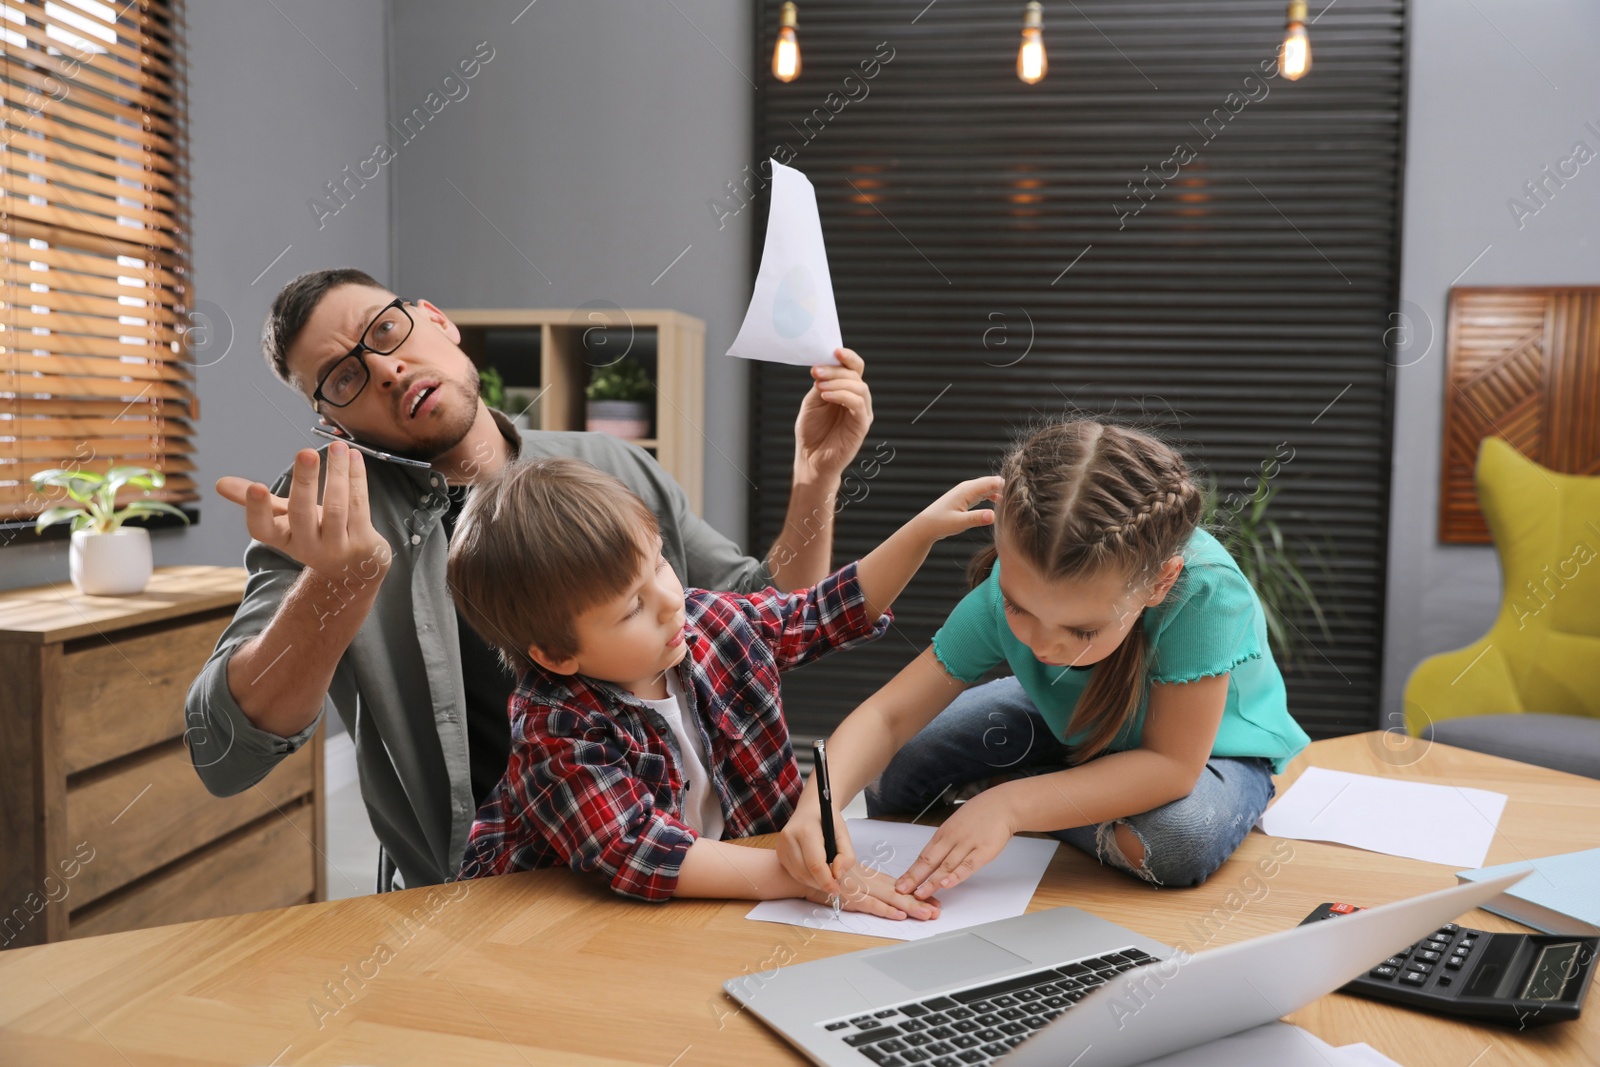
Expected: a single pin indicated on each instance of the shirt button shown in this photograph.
(434, 481)
(416, 539)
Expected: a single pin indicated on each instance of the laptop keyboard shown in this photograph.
(979, 1025)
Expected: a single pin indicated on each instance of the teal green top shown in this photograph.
(1210, 623)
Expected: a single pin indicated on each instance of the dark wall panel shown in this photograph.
(1156, 232)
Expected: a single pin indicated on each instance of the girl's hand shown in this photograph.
(873, 893)
(973, 836)
(801, 851)
(953, 512)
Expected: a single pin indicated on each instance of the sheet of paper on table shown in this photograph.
(1000, 889)
(792, 317)
(1279, 1044)
(1418, 820)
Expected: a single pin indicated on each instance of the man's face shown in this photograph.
(422, 398)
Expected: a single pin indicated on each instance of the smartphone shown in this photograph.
(368, 450)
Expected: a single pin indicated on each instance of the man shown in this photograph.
(347, 600)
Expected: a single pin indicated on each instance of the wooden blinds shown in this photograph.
(94, 280)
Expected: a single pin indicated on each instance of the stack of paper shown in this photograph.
(1561, 896)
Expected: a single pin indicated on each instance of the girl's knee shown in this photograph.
(1175, 860)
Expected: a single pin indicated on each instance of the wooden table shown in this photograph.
(549, 968)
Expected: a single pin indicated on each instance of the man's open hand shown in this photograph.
(335, 538)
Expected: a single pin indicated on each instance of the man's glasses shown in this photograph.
(343, 381)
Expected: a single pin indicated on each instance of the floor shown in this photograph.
(353, 849)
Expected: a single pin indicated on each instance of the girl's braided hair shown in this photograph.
(1082, 498)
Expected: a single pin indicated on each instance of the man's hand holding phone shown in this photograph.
(335, 538)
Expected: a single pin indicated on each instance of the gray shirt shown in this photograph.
(398, 686)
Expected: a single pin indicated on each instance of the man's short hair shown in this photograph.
(293, 306)
(538, 544)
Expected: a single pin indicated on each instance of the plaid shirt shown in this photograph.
(594, 780)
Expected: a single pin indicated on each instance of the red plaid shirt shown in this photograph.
(593, 782)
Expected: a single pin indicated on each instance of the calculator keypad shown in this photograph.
(1445, 952)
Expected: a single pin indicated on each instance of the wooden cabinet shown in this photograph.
(104, 824)
(552, 352)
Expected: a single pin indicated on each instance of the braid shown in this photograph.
(1083, 498)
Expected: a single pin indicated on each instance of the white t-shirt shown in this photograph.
(701, 808)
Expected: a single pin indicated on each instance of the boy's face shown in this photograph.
(633, 638)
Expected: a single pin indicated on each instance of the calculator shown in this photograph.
(1524, 980)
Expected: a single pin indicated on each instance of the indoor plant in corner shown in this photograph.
(107, 558)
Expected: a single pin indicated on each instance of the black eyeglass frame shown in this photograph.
(357, 353)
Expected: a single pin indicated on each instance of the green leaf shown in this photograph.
(150, 507)
(139, 477)
(60, 513)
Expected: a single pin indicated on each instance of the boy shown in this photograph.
(646, 724)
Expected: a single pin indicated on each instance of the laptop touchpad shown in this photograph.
(946, 962)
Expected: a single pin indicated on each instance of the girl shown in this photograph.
(1144, 717)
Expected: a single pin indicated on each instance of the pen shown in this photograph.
(830, 845)
(373, 452)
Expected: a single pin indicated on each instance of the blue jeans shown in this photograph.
(994, 729)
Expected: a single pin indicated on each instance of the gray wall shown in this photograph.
(1499, 89)
(586, 149)
(271, 120)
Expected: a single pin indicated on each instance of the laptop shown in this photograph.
(1064, 987)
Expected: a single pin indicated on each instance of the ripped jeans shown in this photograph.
(995, 730)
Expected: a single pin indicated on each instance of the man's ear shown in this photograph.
(553, 664)
(1164, 582)
(441, 320)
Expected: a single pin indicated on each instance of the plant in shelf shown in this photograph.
(492, 388)
(107, 558)
(619, 399)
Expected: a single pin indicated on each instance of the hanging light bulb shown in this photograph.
(1031, 63)
(786, 56)
(1294, 57)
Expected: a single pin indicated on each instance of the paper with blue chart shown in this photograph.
(792, 316)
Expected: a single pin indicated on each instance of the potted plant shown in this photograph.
(1257, 543)
(619, 399)
(107, 558)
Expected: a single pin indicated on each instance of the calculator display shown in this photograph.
(1555, 965)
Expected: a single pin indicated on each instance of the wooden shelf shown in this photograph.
(561, 346)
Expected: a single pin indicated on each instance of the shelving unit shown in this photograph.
(551, 351)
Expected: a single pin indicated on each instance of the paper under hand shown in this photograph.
(792, 317)
(1000, 889)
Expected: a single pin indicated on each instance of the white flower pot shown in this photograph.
(111, 564)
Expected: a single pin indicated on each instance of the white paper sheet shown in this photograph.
(1000, 889)
(1278, 1044)
(1362, 1054)
(792, 317)
(1437, 823)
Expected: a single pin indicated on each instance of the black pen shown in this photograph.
(830, 844)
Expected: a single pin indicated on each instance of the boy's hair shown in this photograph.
(539, 543)
(1084, 497)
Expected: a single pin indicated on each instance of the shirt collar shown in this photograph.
(424, 478)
